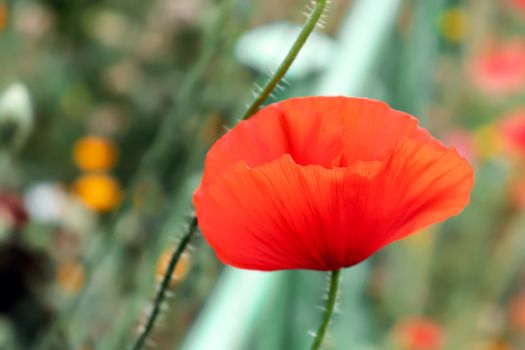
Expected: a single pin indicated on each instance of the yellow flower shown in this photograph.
(487, 141)
(181, 269)
(92, 153)
(99, 192)
(453, 24)
(70, 277)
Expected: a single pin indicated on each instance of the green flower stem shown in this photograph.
(161, 294)
(329, 309)
(308, 28)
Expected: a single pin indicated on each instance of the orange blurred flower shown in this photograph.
(419, 333)
(493, 345)
(70, 276)
(516, 313)
(85, 347)
(517, 192)
(499, 69)
(3, 16)
(181, 269)
(92, 153)
(99, 192)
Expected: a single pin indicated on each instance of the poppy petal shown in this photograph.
(419, 185)
(281, 215)
(429, 185)
(329, 131)
(306, 135)
(370, 127)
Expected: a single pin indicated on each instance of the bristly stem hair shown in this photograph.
(164, 286)
(331, 301)
(270, 85)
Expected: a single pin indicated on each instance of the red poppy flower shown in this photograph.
(512, 127)
(419, 334)
(12, 209)
(323, 182)
(500, 69)
(518, 5)
(516, 313)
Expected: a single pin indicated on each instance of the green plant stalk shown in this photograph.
(329, 309)
(165, 284)
(308, 28)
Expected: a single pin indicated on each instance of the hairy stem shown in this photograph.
(308, 28)
(164, 286)
(328, 311)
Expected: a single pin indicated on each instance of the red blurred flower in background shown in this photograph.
(499, 69)
(516, 313)
(323, 182)
(419, 333)
(12, 209)
(512, 128)
(518, 5)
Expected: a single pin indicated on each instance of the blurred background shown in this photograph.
(107, 109)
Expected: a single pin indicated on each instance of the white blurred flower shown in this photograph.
(50, 203)
(16, 116)
(45, 202)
